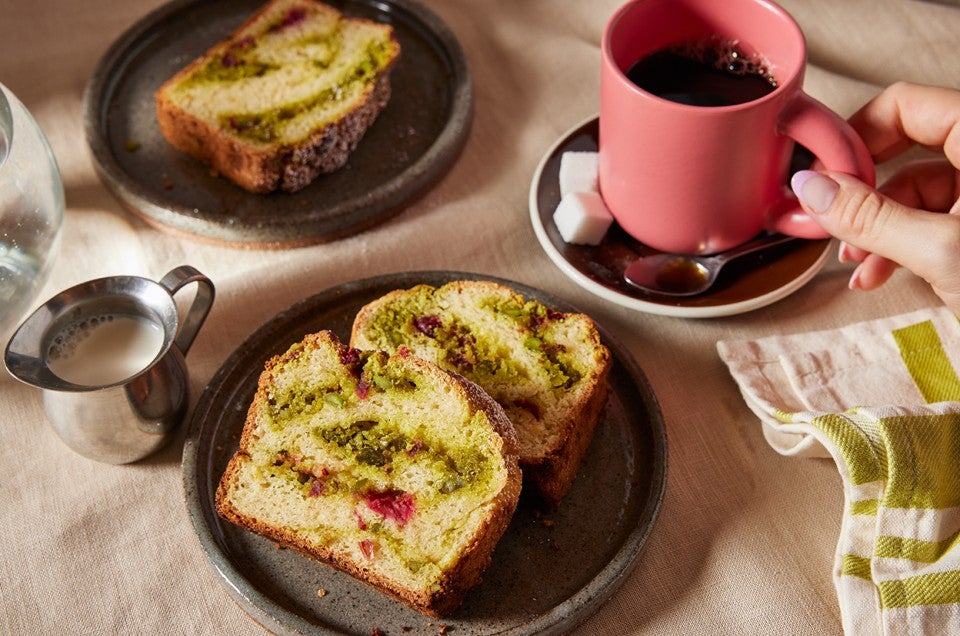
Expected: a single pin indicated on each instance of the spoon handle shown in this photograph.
(759, 243)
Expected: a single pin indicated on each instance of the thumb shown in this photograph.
(854, 212)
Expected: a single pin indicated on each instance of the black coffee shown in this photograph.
(705, 74)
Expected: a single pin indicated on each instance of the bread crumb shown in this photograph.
(321, 592)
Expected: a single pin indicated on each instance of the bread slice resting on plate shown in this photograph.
(385, 467)
(548, 369)
(283, 99)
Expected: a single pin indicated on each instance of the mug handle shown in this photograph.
(834, 142)
(202, 302)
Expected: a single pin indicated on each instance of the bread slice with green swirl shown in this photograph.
(547, 368)
(285, 98)
(385, 467)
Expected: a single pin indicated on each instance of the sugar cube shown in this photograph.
(578, 172)
(582, 218)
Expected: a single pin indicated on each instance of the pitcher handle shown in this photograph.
(175, 280)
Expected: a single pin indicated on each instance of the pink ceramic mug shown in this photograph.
(701, 179)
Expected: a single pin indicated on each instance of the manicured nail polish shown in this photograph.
(814, 190)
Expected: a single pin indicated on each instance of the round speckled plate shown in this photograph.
(408, 148)
(548, 572)
(746, 284)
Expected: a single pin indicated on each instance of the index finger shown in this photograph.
(905, 114)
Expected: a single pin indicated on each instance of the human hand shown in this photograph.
(912, 220)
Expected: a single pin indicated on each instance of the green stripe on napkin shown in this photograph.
(927, 362)
(925, 461)
(927, 589)
(855, 447)
(853, 565)
(915, 549)
(866, 507)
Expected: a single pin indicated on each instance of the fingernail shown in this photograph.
(854, 282)
(814, 190)
(843, 254)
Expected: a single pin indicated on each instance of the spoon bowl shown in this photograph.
(688, 274)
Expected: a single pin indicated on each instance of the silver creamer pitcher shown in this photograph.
(123, 419)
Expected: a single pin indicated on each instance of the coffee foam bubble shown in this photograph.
(727, 56)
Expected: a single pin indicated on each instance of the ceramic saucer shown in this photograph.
(750, 283)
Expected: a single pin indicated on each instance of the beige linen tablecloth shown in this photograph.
(746, 537)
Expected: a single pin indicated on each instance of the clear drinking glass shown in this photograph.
(31, 210)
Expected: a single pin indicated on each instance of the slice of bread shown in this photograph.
(285, 98)
(387, 468)
(547, 369)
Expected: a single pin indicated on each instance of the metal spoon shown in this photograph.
(689, 274)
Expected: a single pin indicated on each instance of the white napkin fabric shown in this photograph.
(882, 398)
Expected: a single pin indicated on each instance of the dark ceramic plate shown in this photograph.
(746, 284)
(409, 147)
(548, 572)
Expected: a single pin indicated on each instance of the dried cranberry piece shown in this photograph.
(350, 358)
(461, 362)
(368, 548)
(463, 357)
(317, 488)
(294, 16)
(229, 60)
(360, 522)
(391, 504)
(363, 389)
(427, 325)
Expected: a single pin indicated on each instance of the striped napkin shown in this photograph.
(882, 398)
